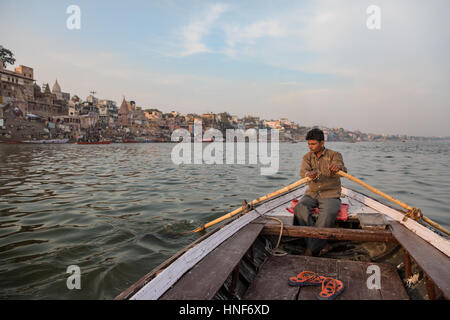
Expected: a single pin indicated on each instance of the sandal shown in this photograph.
(306, 278)
(331, 288)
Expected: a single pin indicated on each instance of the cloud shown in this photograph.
(106, 64)
(259, 29)
(194, 33)
(314, 62)
(372, 78)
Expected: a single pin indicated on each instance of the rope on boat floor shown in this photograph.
(274, 251)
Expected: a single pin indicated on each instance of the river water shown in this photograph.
(119, 210)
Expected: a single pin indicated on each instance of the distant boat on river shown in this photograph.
(97, 142)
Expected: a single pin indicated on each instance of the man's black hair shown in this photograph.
(315, 134)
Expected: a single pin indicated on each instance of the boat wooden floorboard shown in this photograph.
(271, 283)
(205, 278)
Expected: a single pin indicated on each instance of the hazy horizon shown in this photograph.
(314, 62)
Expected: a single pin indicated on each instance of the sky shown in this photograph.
(314, 62)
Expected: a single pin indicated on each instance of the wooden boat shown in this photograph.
(237, 260)
(97, 142)
(52, 141)
(56, 141)
(156, 140)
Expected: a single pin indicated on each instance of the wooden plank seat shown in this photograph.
(271, 283)
(330, 233)
(357, 212)
(432, 261)
(372, 221)
(204, 280)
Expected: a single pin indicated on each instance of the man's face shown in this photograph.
(316, 146)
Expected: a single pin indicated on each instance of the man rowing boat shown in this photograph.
(324, 191)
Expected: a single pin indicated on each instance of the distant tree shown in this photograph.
(152, 109)
(6, 56)
(225, 116)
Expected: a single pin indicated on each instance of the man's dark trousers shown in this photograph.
(328, 210)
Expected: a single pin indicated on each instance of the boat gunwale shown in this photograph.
(426, 232)
(142, 282)
(134, 288)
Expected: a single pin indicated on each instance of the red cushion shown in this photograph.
(342, 214)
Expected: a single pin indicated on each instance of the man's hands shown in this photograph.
(333, 168)
(313, 175)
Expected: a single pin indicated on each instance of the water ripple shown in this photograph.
(119, 210)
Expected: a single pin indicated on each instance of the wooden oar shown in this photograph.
(398, 202)
(254, 202)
